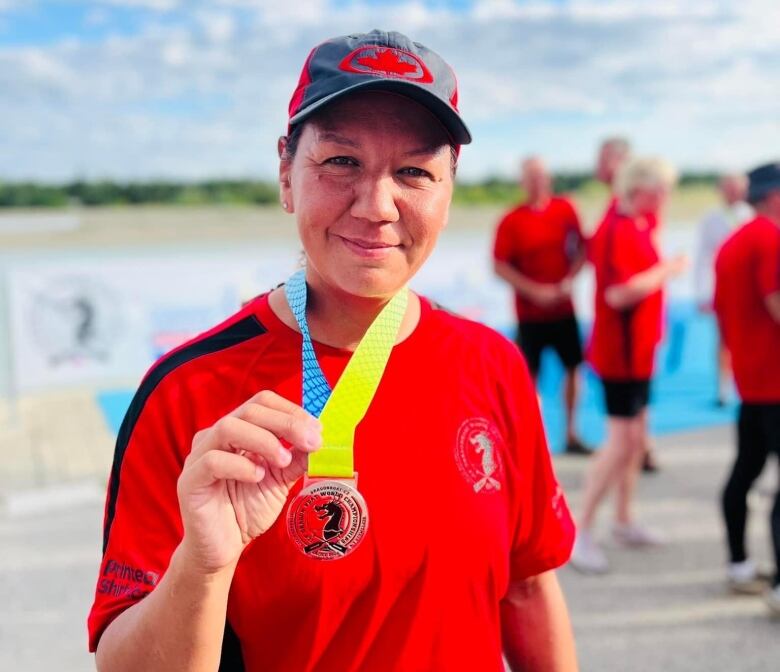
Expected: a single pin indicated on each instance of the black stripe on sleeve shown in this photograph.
(232, 659)
(234, 334)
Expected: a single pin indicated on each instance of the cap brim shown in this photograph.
(450, 119)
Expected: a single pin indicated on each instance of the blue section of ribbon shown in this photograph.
(316, 389)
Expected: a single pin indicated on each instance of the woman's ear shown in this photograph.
(285, 168)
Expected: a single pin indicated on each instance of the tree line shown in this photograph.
(252, 192)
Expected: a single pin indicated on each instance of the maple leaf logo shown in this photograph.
(387, 61)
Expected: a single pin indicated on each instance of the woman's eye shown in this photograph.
(341, 161)
(415, 172)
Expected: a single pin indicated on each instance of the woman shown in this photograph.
(440, 554)
(630, 276)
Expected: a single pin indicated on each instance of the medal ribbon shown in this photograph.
(341, 410)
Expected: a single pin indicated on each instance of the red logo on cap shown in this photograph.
(387, 62)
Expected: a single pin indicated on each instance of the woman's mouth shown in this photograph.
(372, 249)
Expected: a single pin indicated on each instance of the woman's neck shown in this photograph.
(339, 319)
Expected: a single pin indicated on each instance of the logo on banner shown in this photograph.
(73, 320)
(477, 455)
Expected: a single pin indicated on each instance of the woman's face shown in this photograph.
(370, 184)
(649, 200)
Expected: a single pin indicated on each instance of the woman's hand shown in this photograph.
(550, 294)
(677, 265)
(236, 479)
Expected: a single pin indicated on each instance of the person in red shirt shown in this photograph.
(613, 153)
(467, 518)
(626, 330)
(747, 304)
(538, 250)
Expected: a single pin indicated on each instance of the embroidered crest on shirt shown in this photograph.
(477, 455)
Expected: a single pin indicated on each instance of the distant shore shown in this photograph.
(150, 225)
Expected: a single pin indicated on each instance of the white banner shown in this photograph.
(91, 319)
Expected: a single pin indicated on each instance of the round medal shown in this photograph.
(328, 519)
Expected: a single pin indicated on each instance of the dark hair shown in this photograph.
(294, 137)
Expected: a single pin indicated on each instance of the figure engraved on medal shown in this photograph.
(477, 455)
(328, 519)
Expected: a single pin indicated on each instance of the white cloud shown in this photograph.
(97, 16)
(206, 94)
(217, 26)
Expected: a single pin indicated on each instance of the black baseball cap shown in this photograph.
(763, 179)
(379, 61)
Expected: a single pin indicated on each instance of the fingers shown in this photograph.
(235, 435)
(259, 426)
(299, 429)
(219, 465)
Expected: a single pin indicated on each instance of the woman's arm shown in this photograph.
(178, 626)
(233, 486)
(535, 626)
(629, 293)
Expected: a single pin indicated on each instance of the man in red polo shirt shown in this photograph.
(538, 250)
(747, 303)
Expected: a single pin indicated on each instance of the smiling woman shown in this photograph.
(235, 479)
(371, 184)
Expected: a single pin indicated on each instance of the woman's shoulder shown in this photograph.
(454, 330)
(196, 358)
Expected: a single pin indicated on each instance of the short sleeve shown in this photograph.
(768, 266)
(503, 245)
(544, 530)
(142, 524)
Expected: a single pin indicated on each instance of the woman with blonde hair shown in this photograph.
(630, 275)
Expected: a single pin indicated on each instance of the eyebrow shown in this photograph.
(330, 136)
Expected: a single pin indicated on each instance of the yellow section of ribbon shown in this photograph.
(354, 392)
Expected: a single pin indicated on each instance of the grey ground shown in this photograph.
(663, 610)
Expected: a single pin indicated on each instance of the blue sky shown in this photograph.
(135, 89)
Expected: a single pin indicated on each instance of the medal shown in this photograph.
(328, 518)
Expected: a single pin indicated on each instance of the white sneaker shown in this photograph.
(744, 579)
(772, 598)
(587, 556)
(636, 536)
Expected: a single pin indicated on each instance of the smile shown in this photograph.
(372, 249)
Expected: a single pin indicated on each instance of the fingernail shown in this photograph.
(285, 457)
(259, 472)
(313, 439)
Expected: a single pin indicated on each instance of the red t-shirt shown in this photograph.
(623, 342)
(651, 219)
(542, 245)
(422, 591)
(747, 270)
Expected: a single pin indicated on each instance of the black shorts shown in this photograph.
(626, 398)
(562, 335)
(758, 429)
